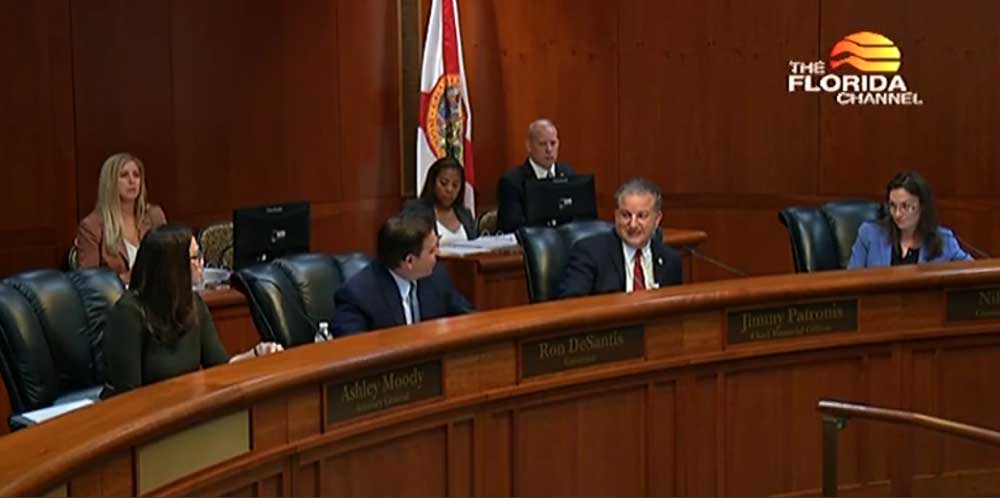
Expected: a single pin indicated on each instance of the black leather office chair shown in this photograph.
(51, 334)
(289, 296)
(546, 253)
(822, 236)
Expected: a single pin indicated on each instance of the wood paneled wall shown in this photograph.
(692, 94)
(233, 103)
(228, 103)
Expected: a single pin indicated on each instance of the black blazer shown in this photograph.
(461, 212)
(510, 195)
(370, 300)
(597, 266)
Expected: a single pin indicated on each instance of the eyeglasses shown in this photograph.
(903, 208)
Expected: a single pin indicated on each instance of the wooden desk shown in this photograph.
(700, 410)
(497, 280)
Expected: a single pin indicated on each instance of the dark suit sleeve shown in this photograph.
(675, 273)
(349, 317)
(580, 274)
(123, 348)
(510, 212)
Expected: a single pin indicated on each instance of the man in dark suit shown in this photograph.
(404, 285)
(629, 258)
(543, 150)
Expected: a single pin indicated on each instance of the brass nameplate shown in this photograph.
(382, 390)
(973, 304)
(547, 356)
(792, 320)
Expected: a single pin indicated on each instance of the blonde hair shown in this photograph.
(109, 204)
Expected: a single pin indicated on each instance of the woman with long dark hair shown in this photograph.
(909, 232)
(160, 327)
(443, 194)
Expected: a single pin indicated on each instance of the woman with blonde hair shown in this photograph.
(110, 235)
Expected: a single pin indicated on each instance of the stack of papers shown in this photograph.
(482, 244)
(43, 414)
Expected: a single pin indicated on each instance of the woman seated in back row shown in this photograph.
(109, 236)
(909, 233)
(444, 194)
(160, 327)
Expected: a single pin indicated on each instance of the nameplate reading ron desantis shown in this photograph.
(364, 395)
(792, 320)
(553, 355)
(974, 304)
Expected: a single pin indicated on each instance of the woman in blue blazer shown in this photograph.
(909, 233)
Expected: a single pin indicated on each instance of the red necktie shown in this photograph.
(638, 278)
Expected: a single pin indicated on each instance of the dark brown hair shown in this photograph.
(161, 282)
(428, 195)
(927, 225)
(402, 235)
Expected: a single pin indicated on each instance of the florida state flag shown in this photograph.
(445, 114)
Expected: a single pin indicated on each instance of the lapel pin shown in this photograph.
(659, 261)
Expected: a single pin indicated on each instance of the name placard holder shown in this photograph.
(791, 320)
(973, 304)
(551, 355)
(382, 390)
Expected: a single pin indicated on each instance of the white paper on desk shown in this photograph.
(450, 250)
(43, 414)
(487, 242)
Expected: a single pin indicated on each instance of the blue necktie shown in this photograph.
(414, 304)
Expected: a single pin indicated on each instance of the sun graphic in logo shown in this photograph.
(867, 52)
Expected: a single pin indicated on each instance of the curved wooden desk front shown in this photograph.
(693, 410)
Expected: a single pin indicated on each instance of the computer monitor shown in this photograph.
(263, 233)
(554, 201)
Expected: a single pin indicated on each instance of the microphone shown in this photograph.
(694, 252)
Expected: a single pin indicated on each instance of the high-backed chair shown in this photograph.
(216, 241)
(51, 333)
(487, 222)
(290, 296)
(546, 253)
(822, 236)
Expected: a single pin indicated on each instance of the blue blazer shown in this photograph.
(370, 300)
(873, 248)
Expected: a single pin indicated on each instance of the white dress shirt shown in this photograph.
(541, 172)
(404, 295)
(647, 267)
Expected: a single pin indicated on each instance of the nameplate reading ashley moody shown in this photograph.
(361, 396)
(974, 304)
(792, 320)
(547, 356)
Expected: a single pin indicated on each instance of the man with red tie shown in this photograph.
(630, 258)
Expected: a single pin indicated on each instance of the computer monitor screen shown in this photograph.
(559, 200)
(263, 233)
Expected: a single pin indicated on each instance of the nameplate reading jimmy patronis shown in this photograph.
(547, 356)
(974, 304)
(399, 386)
(792, 320)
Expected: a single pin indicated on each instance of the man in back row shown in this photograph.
(405, 285)
(543, 151)
(630, 258)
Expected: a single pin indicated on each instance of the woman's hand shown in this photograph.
(261, 349)
(265, 348)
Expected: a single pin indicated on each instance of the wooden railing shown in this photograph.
(837, 413)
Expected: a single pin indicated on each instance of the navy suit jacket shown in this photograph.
(370, 300)
(873, 248)
(510, 195)
(597, 266)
